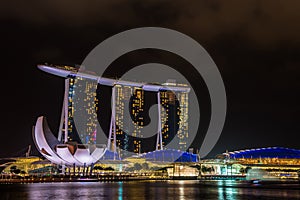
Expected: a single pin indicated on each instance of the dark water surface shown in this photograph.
(140, 190)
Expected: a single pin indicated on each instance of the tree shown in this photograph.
(98, 168)
(129, 169)
(196, 166)
(247, 169)
(109, 169)
(13, 168)
(154, 168)
(145, 166)
(243, 170)
(137, 166)
(205, 169)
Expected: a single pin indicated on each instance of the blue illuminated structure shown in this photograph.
(170, 155)
(269, 152)
(110, 155)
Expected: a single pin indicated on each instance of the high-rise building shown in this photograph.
(131, 116)
(132, 110)
(129, 112)
(175, 118)
(85, 104)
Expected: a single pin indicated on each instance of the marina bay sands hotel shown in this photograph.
(127, 105)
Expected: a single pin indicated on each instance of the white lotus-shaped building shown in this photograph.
(64, 154)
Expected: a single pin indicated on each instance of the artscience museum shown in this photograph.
(64, 153)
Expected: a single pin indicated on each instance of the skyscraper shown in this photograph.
(132, 115)
(129, 113)
(84, 130)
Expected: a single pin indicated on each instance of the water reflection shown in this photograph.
(139, 190)
(120, 191)
(227, 193)
(66, 191)
(181, 190)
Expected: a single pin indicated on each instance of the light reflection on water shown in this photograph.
(140, 190)
(120, 191)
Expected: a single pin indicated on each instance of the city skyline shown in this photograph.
(130, 106)
(254, 44)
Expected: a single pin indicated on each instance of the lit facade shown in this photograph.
(270, 163)
(126, 127)
(265, 153)
(130, 131)
(175, 119)
(64, 153)
(86, 132)
(127, 133)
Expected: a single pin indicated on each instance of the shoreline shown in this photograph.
(202, 180)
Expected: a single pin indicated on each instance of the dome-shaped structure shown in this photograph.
(169, 155)
(269, 152)
(64, 154)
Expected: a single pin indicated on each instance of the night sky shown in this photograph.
(255, 45)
